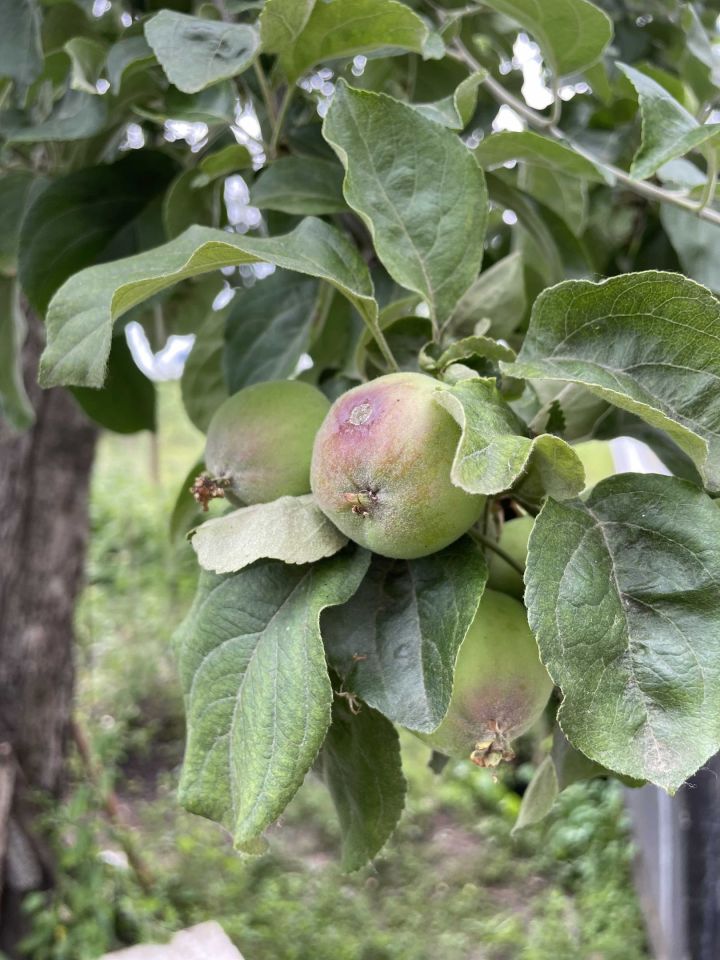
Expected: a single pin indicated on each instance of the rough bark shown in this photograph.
(44, 475)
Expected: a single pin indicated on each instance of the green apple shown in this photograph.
(260, 440)
(501, 687)
(381, 468)
(513, 541)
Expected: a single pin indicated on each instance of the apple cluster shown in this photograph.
(378, 463)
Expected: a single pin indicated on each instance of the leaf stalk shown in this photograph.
(484, 541)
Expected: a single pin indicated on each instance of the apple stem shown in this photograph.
(484, 541)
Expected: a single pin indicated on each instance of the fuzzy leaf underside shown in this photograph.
(196, 53)
(493, 453)
(291, 529)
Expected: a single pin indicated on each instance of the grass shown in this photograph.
(452, 884)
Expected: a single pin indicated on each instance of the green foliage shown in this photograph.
(87, 217)
(660, 364)
(81, 316)
(654, 598)
(669, 130)
(126, 403)
(434, 241)
(252, 664)
(493, 454)
(15, 406)
(396, 642)
(360, 763)
(20, 48)
(268, 328)
(196, 53)
(419, 230)
(572, 33)
(305, 33)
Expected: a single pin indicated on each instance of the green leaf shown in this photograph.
(620, 423)
(126, 404)
(73, 221)
(202, 385)
(185, 204)
(87, 58)
(565, 196)
(539, 797)
(300, 185)
(645, 342)
(700, 48)
(125, 58)
(494, 451)
(455, 111)
(498, 295)
(549, 262)
(21, 54)
(361, 766)
(696, 242)
(221, 163)
(258, 696)
(214, 106)
(291, 529)
(268, 329)
(304, 34)
(529, 147)
(77, 116)
(465, 349)
(396, 642)
(425, 208)
(197, 53)
(622, 594)
(572, 33)
(668, 129)
(282, 22)
(15, 406)
(18, 191)
(81, 316)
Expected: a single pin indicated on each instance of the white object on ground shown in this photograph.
(206, 941)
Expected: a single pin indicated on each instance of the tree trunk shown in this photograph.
(44, 475)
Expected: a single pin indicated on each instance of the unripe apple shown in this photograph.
(501, 687)
(514, 541)
(597, 459)
(381, 468)
(259, 442)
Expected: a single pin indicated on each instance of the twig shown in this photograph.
(266, 94)
(484, 541)
(280, 118)
(111, 805)
(640, 187)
